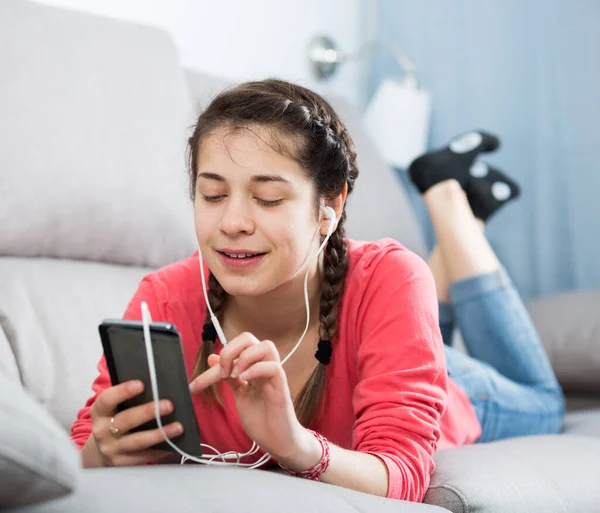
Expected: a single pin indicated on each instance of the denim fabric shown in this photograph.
(507, 374)
(446, 322)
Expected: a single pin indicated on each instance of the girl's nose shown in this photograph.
(236, 219)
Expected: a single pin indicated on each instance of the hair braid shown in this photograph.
(335, 265)
(216, 297)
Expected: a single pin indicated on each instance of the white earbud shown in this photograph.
(330, 214)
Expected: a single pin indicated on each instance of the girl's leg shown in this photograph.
(440, 274)
(463, 247)
(438, 269)
(509, 373)
(446, 315)
(504, 407)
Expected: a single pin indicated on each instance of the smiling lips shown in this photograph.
(240, 259)
(239, 255)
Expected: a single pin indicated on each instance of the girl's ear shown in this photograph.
(337, 204)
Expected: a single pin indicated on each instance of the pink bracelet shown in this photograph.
(320, 468)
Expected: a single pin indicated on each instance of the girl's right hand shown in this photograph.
(125, 448)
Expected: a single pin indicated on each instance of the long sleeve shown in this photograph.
(402, 379)
(82, 427)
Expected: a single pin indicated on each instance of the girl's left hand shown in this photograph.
(253, 371)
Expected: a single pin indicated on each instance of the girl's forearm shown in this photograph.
(351, 469)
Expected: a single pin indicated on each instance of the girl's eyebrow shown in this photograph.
(211, 176)
(255, 178)
(270, 178)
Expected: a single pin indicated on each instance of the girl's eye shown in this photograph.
(267, 203)
(213, 199)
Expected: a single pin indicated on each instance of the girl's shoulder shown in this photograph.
(383, 258)
(179, 281)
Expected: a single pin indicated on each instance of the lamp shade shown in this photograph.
(397, 119)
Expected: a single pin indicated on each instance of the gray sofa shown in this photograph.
(93, 121)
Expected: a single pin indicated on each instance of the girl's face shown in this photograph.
(254, 212)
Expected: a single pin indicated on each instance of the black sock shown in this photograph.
(488, 189)
(453, 161)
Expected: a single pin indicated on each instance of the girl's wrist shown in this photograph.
(309, 455)
(90, 454)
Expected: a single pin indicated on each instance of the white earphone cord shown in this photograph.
(207, 460)
(147, 319)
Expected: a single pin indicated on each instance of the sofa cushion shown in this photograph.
(569, 326)
(38, 462)
(544, 474)
(93, 127)
(49, 316)
(193, 488)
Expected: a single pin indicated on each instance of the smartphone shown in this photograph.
(125, 352)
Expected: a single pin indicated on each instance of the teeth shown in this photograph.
(239, 255)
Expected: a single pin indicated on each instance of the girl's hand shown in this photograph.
(253, 371)
(125, 448)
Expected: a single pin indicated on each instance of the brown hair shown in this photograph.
(304, 127)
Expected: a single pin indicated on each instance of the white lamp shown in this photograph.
(397, 119)
(399, 114)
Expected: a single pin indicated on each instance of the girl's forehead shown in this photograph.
(247, 153)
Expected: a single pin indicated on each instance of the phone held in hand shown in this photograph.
(125, 352)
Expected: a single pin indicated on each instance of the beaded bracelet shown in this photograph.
(320, 468)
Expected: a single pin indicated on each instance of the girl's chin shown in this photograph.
(245, 293)
(243, 286)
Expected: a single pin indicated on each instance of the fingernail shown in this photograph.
(176, 430)
(192, 386)
(244, 375)
(136, 386)
(165, 406)
(234, 372)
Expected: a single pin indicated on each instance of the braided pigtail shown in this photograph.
(216, 297)
(335, 266)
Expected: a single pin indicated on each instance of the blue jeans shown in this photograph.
(507, 374)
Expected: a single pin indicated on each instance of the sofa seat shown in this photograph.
(199, 489)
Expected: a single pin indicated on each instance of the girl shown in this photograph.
(364, 400)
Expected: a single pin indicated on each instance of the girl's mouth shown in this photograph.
(240, 259)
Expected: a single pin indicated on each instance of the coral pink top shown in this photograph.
(387, 388)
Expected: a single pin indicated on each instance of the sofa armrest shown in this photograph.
(569, 326)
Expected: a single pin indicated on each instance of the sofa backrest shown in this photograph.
(93, 121)
(379, 205)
